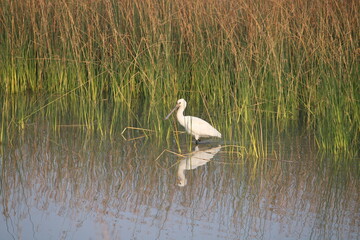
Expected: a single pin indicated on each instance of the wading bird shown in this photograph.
(193, 125)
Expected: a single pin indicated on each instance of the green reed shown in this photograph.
(238, 62)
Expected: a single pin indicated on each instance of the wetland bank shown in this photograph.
(85, 86)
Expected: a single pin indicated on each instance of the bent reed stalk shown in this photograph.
(284, 60)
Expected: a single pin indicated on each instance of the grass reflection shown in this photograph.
(74, 174)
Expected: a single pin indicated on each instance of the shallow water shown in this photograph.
(71, 184)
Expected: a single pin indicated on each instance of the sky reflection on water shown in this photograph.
(72, 186)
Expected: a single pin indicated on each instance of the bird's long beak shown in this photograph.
(176, 107)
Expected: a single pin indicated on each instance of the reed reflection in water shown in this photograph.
(70, 185)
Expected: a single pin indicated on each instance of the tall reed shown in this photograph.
(284, 60)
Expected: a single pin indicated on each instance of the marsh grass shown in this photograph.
(246, 65)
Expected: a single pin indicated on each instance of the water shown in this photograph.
(69, 183)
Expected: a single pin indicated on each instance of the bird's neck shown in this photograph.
(180, 116)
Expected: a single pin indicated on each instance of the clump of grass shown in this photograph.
(253, 60)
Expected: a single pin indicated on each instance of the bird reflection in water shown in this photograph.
(194, 160)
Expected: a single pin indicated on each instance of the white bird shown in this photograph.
(193, 125)
(194, 160)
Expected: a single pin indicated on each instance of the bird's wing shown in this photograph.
(200, 126)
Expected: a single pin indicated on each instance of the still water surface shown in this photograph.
(69, 184)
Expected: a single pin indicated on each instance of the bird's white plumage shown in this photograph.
(194, 125)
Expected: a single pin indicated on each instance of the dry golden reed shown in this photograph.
(279, 59)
